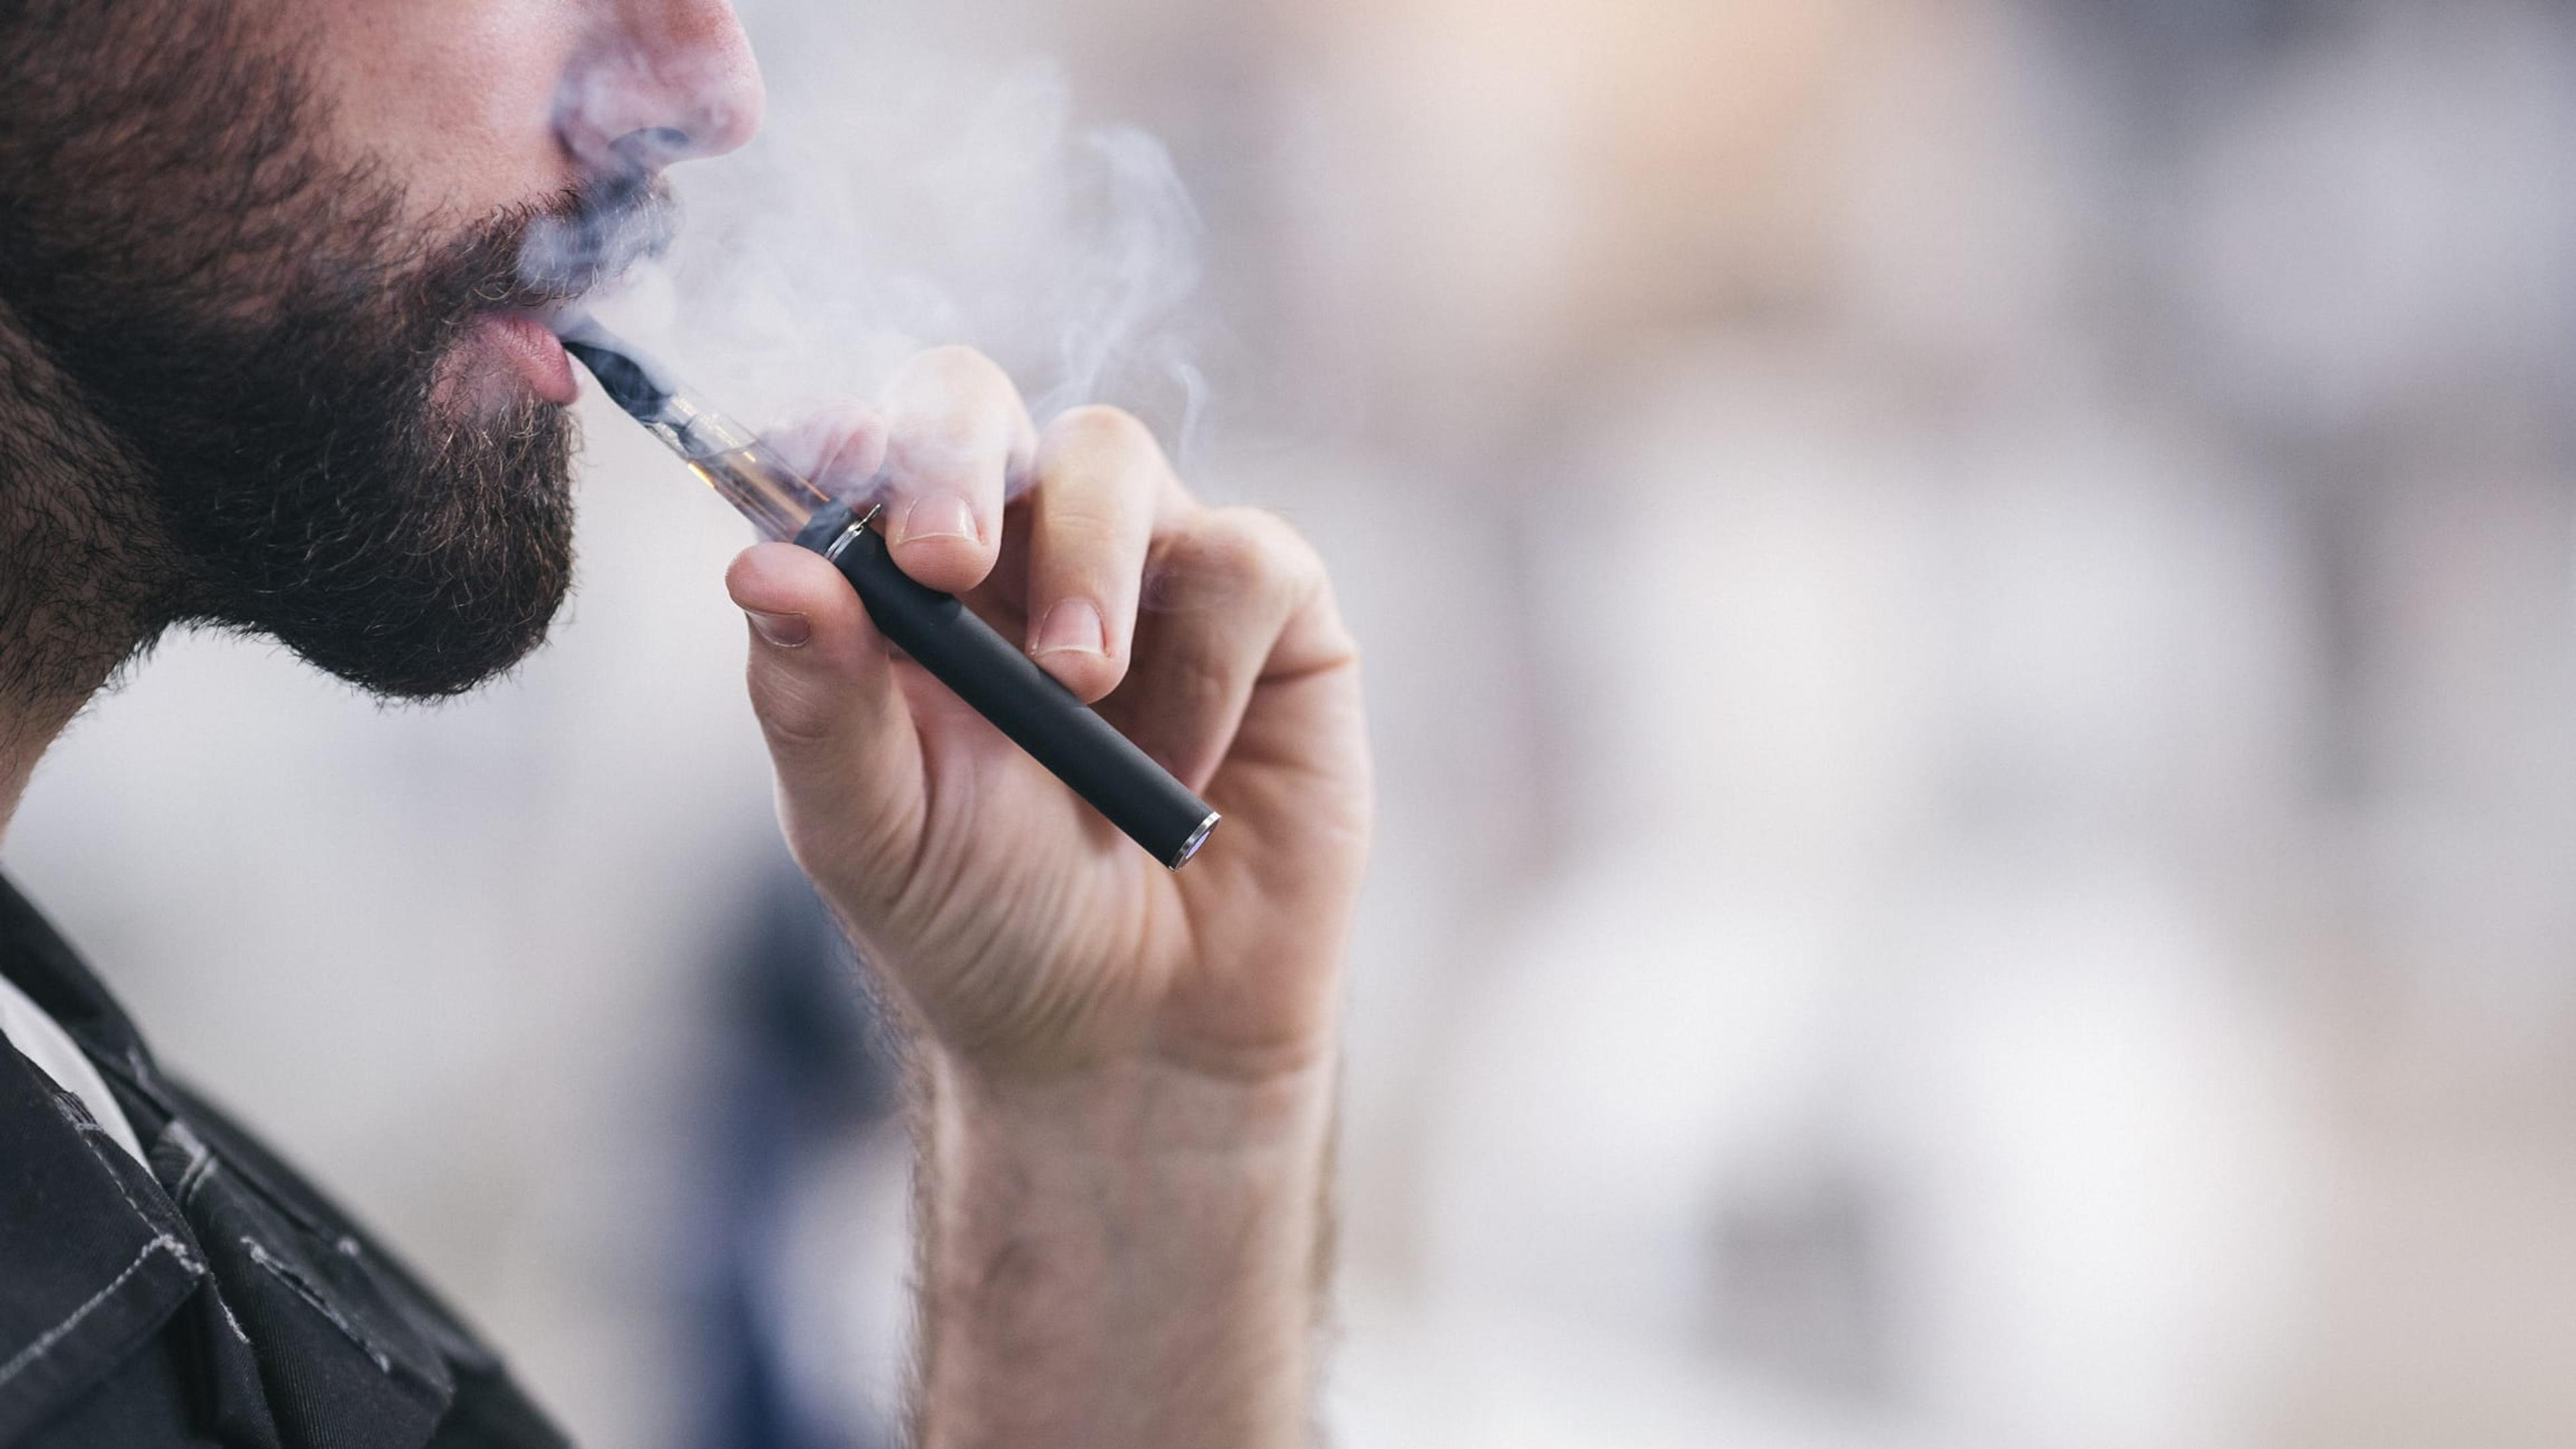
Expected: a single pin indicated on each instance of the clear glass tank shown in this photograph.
(731, 458)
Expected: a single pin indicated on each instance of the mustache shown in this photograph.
(549, 254)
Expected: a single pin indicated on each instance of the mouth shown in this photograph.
(585, 248)
(527, 346)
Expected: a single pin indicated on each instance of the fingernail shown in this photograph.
(941, 515)
(787, 631)
(1071, 626)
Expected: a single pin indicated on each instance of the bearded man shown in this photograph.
(268, 363)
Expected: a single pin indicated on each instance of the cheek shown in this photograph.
(454, 98)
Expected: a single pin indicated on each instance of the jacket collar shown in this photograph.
(93, 1255)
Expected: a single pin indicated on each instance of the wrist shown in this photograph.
(1156, 1238)
(1135, 1109)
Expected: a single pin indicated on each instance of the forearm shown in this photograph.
(1132, 1257)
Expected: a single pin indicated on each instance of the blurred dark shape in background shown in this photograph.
(801, 1075)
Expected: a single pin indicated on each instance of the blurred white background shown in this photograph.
(1971, 610)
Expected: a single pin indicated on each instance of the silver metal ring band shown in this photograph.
(1197, 838)
(857, 525)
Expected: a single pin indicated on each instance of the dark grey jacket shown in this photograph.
(215, 1299)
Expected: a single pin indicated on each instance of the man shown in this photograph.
(268, 363)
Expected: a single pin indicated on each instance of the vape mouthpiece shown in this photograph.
(963, 652)
(622, 377)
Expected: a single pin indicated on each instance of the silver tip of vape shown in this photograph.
(1197, 838)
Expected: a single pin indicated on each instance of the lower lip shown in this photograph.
(532, 349)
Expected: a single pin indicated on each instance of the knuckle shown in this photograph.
(793, 716)
(956, 362)
(1078, 537)
(1256, 546)
(793, 732)
(936, 448)
(1100, 428)
(1227, 556)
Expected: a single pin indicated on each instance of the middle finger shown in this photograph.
(1102, 483)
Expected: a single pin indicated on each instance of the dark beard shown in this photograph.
(222, 403)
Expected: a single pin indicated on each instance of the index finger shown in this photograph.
(957, 438)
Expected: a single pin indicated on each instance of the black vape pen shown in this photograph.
(960, 650)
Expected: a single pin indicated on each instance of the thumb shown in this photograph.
(840, 737)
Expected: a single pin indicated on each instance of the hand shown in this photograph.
(1125, 1072)
(1023, 933)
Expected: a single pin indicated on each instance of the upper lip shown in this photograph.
(530, 297)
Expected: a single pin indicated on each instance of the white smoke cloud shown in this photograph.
(902, 196)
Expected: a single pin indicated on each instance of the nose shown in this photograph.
(672, 80)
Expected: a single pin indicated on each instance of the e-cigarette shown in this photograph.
(941, 634)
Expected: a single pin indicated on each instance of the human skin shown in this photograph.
(1127, 1072)
(1124, 1074)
